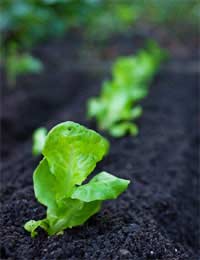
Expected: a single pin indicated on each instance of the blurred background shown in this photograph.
(51, 50)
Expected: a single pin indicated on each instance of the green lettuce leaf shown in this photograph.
(45, 185)
(71, 152)
(32, 225)
(103, 186)
(117, 105)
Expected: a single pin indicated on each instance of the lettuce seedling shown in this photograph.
(39, 137)
(17, 64)
(71, 152)
(118, 103)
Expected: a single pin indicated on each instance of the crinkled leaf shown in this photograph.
(103, 186)
(72, 152)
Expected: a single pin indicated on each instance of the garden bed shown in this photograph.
(156, 218)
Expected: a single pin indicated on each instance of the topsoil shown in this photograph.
(156, 218)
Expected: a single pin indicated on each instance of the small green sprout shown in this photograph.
(118, 103)
(39, 137)
(19, 64)
(71, 152)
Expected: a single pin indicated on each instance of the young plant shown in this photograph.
(19, 64)
(39, 137)
(118, 102)
(71, 152)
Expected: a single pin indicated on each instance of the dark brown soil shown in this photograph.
(157, 218)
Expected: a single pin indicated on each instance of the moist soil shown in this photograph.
(156, 218)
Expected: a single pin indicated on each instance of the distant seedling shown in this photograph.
(19, 64)
(118, 103)
(39, 137)
(71, 152)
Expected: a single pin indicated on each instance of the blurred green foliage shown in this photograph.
(39, 138)
(19, 64)
(176, 12)
(118, 102)
(24, 23)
